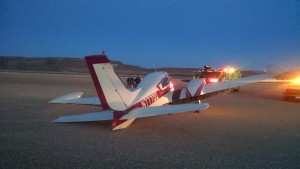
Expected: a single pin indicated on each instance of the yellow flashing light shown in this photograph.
(297, 80)
(231, 70)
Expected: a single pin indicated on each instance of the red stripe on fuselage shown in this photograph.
(188, 93)
(198, 92)
(97, 59)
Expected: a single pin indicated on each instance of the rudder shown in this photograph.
(110, 89)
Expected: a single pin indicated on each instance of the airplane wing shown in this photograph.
(75, 98)
(271, 71)
(162, 110)
(230, 84)
(197, 89)
(96, 116)
(136, 113)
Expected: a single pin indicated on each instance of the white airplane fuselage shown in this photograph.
(149, 98)
(154, 90)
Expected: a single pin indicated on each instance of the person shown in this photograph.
(137, 79)
(130, 82)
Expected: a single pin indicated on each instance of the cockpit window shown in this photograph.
(165, 80)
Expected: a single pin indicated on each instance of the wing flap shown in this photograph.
(96, 116)
(162, 110)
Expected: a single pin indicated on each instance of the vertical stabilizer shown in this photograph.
(111, 91)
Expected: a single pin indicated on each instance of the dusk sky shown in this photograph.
(249, 34)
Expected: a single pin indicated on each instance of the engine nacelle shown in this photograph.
(194, 87)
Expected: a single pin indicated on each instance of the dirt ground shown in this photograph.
(254, 128)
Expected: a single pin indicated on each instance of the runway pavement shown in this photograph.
(254, 128)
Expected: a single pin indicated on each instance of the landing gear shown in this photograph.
(198, 111)
(237, 89)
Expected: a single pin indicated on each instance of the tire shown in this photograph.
(288, 98)
(236, 89)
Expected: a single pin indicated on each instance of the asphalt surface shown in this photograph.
(254, 128)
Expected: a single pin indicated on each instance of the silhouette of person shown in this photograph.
(130, 82)
(137, 79)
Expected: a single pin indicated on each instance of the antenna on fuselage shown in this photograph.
(154, 67)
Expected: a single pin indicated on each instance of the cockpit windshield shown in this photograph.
(165, 80)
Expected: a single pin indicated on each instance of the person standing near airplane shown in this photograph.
(130, 82)
(137, 79)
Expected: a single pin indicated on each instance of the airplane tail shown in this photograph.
(111, 91)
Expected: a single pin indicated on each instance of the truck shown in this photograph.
(292, 92)
(211, 75)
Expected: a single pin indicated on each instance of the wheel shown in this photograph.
(237, 89)
(288, 98)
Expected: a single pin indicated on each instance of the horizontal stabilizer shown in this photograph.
(96, 116)
(86, 100)
(75, 98)
(162, 110)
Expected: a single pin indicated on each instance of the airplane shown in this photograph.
(153, 96)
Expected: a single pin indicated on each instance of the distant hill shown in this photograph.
(42, 64)
(289, 75)
(78, 65)
(74, 65)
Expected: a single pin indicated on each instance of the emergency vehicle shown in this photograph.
(211, 75)
(292, 92)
